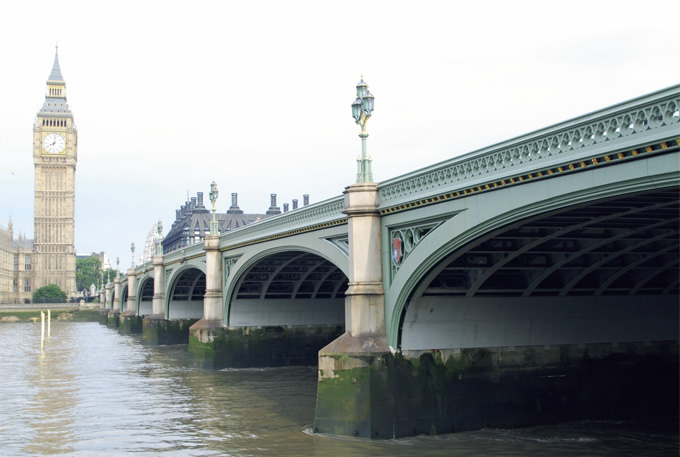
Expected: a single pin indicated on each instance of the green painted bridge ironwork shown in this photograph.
(554, 239)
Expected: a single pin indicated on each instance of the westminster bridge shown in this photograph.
(532, 281)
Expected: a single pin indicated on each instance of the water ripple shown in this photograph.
(93, 392)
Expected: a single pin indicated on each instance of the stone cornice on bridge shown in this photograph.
(318, 216)
(603, 137)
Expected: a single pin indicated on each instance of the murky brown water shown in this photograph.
(92, 392)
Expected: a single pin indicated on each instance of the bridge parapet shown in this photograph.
(188, 252)
(652, 118)
(319, 215)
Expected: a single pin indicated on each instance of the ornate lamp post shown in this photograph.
(117, 267)
(132, 248)
(362, 108)
(214, 228)
(159, 248)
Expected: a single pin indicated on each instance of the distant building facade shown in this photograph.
(16, 266)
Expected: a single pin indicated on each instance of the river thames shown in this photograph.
(93, 392)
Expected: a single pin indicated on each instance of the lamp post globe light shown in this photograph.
(362, 108)
(214, 228)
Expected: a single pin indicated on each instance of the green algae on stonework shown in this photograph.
(152, 333)
(207, 350)
(346, 395)
(130, 325)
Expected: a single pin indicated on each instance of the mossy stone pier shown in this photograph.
(211, 345)
(103, 316)
(367, 392)
(156, 330)
(130, 323)
(352, 398)
(113, 319)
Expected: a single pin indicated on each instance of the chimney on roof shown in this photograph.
(295, 203)
(200, 199)
(234, 209)
(273, 209)
(285, 207)
(178, 214)
(193, 204)
(305, 199)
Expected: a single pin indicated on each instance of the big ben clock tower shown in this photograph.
(55, 153)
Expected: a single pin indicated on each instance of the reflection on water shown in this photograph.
(94, 392)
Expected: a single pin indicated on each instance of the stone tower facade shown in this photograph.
(55, 154)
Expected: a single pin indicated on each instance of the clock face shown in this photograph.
(54, 143)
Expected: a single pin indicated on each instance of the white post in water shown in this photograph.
(49, 322)
(42, 330)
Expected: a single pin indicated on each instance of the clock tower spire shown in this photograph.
(55, 154)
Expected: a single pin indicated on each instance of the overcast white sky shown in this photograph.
(168, 96)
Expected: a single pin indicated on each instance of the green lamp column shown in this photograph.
(362, 108)
(214, 227)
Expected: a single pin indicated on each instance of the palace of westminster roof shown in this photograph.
(192, 220)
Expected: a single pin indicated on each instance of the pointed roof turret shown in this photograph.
(55, 95)
(55, 74)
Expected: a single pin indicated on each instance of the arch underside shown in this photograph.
(145, 302)
(605, 270)
(289, 288)
(123, 298)
(186, 295)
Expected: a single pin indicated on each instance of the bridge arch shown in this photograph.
(123, 297)
(474, 223)
(145, 296)
(285, 286)
(185, 292)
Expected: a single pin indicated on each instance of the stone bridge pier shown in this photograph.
(114, 313)
(104, 297)
(353, 395)
(155, 326)
(208, 337)
(130, 321)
